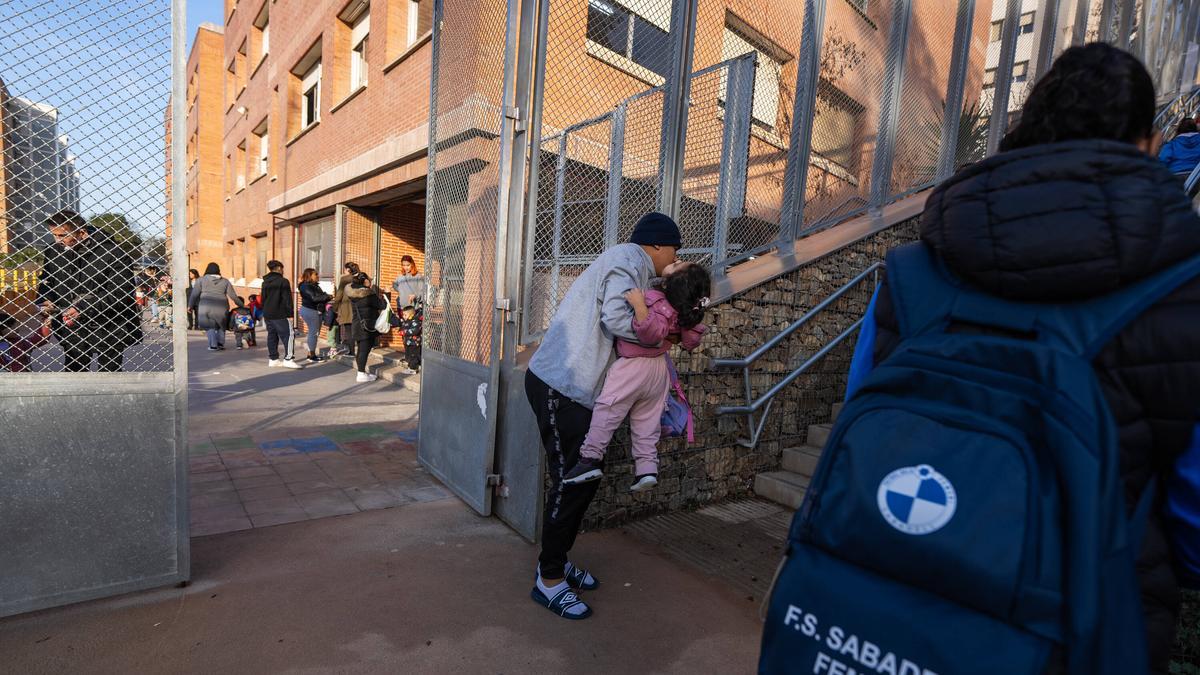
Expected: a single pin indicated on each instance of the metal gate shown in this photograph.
(555, 124)
(93, 363)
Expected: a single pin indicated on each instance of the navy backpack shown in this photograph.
(967, 513)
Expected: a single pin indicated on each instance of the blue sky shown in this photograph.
(105, 65)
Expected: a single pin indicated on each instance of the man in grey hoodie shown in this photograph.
(565, 376)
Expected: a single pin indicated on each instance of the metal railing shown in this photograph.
(761, 406)
(1183, 105)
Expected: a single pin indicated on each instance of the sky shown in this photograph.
(105, 66)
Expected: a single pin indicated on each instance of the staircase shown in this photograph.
(788, 485)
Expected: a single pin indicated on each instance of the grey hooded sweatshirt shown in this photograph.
(578, 345)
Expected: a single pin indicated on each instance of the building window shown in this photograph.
(1026, 25)
(317, 245)
(230, 84)
(420, 19)
(262, 25)
(737, 41)
(228, 175)
(262, 250)
(997, 29)
(264, 148)
(308, 76)
(240, 167)
(636, 30)
(1020, 71)
(989, 78)
(358, 18)
(837, 127)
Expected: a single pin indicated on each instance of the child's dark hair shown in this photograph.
(687, 290)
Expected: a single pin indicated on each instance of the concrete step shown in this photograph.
(802, 460)
(837, 411)
(389, 365)
(781, 487)
(818, 434)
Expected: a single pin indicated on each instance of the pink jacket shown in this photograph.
(662, 321)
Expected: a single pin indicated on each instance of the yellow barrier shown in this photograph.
(18, 281)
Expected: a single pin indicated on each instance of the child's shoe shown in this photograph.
(644, 482)
(584, 470)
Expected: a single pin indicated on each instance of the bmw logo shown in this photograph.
(916, 499)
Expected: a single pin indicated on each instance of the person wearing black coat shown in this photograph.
(278, 309)
(366, 302)
(1075, 207)
(87, 284)
(313, 299)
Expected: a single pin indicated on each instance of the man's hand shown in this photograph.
(48, 307)
(70, 314)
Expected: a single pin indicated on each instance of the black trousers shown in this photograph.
(280, 330)
(412, 354)
(364, 350)
(563, 424)
(345, 337)
(78, 358)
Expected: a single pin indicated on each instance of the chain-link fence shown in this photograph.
(84, 228)
(754, 123)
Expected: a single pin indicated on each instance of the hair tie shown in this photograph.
(703, 303)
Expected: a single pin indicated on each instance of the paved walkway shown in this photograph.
(427, 588)
(269, 446)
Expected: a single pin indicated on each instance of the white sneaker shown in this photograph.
(366, 377)
(645, 482)
(288, 363)
(271, 363)
(407, 371)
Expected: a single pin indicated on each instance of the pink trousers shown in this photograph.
(636, 387)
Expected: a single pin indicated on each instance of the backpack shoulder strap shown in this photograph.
(1088, 326)
(922, 296)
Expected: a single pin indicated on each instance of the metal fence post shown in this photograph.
(889, 110)
(1104, 32)
(735, 153)
(560, 187)
(1003, 81)
(179, 269)
(795, 176)
(1043, 46)
(1124, 24)
(955, 86)
(1079, 30)
(676, 92)
(525, 254)
(616, 173)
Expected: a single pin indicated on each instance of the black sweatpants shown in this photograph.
(364, 350)
(563, 424)
(412, 354)
(280, 330)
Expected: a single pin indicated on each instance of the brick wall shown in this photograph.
(402, 232)
(715, 467)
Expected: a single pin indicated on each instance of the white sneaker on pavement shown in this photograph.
(289, 363)
(366, 377)
(407, 371)
(271, 363)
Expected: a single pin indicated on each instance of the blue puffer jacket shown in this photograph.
(1182, 154)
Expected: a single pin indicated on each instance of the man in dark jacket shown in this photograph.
(278, 310)
(1062, 217)
(87, 284)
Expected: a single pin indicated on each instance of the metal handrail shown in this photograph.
(764, 402)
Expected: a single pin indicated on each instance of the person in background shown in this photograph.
(193, 275)
(210, 300)
(366, 301)
(409, 285)
(147, 291)
(86, 284)
(278, 308)
(16, 346)
(241, 322)
(1182, 153)
(345, 311)
(256, 308)
(312, 307)
(162, 298)
(562, 383)
(410, 328)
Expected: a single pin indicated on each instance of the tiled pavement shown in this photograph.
(239, 481)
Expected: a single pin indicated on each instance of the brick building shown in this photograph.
(205, 202)
(325, 109)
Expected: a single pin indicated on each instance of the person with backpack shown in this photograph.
(313, 299)
(1182, 153)
(278, 310)
(241, 321)
(562, 383)
(638, 382)
(991, 499)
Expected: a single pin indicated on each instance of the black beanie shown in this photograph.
(656, 229)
